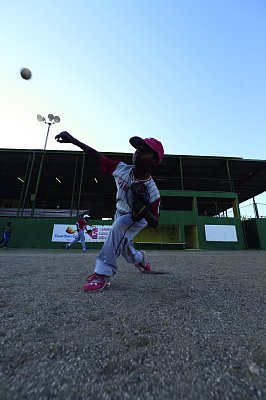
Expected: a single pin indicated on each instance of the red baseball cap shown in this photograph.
(154, 144)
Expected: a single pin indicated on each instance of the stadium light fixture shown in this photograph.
(40, 118)
(52, 120)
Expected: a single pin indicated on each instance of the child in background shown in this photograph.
(81, 225)
(6, 234)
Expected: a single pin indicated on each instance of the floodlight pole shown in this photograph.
(52, 120)
(47, 134)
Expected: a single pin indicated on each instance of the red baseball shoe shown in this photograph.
(96, 283)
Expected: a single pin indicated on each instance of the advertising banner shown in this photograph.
(64, 233)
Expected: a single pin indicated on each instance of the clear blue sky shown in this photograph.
(190, 73)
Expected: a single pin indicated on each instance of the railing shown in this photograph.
(39, 213)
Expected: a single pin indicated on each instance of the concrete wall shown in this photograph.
(37, 233)
(175, 227)
(184, 219)
(255, 233)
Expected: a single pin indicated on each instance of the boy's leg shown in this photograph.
(73, 240)
(6, 239)
(119, 241)
(121, 234)
(82, 241)
(132, 255)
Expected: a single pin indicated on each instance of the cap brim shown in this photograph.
(136, 141)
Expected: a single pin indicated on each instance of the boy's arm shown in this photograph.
(105, 163)
(88, 229)
(141, 207)
(65, 137)
(152, 219)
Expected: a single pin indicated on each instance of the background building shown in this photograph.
(200, 198)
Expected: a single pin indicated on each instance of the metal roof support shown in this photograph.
(34, 196)
(229, 177)
(181, 173)
(81, 181)
(255, 207)
(28, 183)
(23, 186)
(74, 184)
(236, 209)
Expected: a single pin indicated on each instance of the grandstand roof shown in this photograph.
(246, 177)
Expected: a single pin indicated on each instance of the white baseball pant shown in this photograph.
(119, 242)
(80, 235)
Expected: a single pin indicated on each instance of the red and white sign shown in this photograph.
(64, 233)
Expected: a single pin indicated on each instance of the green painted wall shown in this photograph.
(173, 228)
(261, 226)
(190, 218)
(190, 193)
(251, 232)
(162, 234)
(37, 233)
(255, 229)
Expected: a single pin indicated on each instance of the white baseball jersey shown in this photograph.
(124, 177)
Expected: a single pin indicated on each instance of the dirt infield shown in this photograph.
(198, 332)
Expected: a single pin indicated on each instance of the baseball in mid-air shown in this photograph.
(25, 73)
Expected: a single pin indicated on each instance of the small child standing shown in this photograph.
(6, 234)
(149, 153)
(81, 225)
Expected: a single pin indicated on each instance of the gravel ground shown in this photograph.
(198, 332)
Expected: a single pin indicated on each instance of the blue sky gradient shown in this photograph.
(190, 73)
